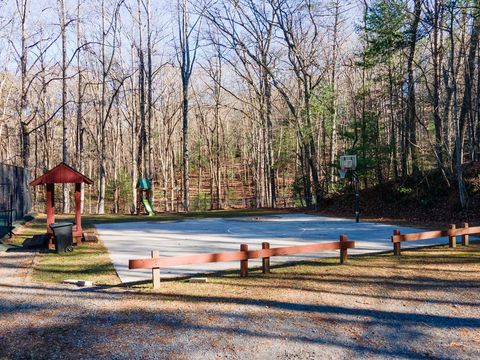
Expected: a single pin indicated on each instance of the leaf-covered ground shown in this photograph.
(428, 201)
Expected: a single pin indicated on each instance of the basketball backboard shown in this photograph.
(348, 162)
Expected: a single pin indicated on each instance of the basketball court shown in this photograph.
(134, 240)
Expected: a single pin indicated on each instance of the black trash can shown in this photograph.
(62, 236)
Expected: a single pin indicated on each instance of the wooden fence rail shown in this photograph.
(452, 232)
(156, 262)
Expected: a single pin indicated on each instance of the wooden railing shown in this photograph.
(452, 232)
(156, 262)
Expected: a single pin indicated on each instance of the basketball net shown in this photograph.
(343, 172)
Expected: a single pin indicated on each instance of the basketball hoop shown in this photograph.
(348, 162)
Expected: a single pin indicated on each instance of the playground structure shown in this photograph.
(62, 174)
(144, 196)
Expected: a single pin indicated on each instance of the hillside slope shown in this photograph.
(428, 199)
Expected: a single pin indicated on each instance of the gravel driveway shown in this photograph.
(415, 307)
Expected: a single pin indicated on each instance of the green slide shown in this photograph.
(148, 207)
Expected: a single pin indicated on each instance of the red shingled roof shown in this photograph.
(61, 174)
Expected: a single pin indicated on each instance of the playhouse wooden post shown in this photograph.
(50, 206)
(78, 207)
(77, 232)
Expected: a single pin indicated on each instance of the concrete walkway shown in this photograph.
(173, 238)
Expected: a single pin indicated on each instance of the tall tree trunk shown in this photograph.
(410, 116)
(437, 120)
(466, 111)
(187, 59)
(462, 194)
(102, 121)
(63, 31)
(149, 159)
(269, 134)
(186, 160)
(142, 144)
(79, 142)
(24, 133)
(333, 79)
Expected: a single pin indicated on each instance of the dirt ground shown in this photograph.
(425, 304)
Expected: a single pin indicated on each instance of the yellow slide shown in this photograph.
(148, 207)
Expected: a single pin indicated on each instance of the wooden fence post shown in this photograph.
(396, 245)
(266, 260)
(452, 240)
(343, 249)
(244, 263)
(465, 237)
(156, 271)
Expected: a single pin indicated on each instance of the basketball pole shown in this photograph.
(357, 197)
(348, 163)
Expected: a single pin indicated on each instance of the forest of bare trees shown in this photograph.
(238, 103)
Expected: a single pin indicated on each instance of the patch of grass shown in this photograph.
(90, 220)
(34, 226)
(438, 262)
(88, 261)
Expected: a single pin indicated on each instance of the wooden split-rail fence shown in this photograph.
(452, 232)
(156, 262)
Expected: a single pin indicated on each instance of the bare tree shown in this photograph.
(187, 51)
(63, 32)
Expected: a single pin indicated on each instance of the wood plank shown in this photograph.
(186, 260)
(425, 235)
(299, 249)
(420, 236)
(236, 255)
(90, 237)
(464, 231)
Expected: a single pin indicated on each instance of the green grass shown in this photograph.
(90, 220)
(33, 226)
(86, 262)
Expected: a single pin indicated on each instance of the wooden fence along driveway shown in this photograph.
(452, 233)
(156, 262)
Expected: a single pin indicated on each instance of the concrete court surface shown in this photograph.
(134, 240)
